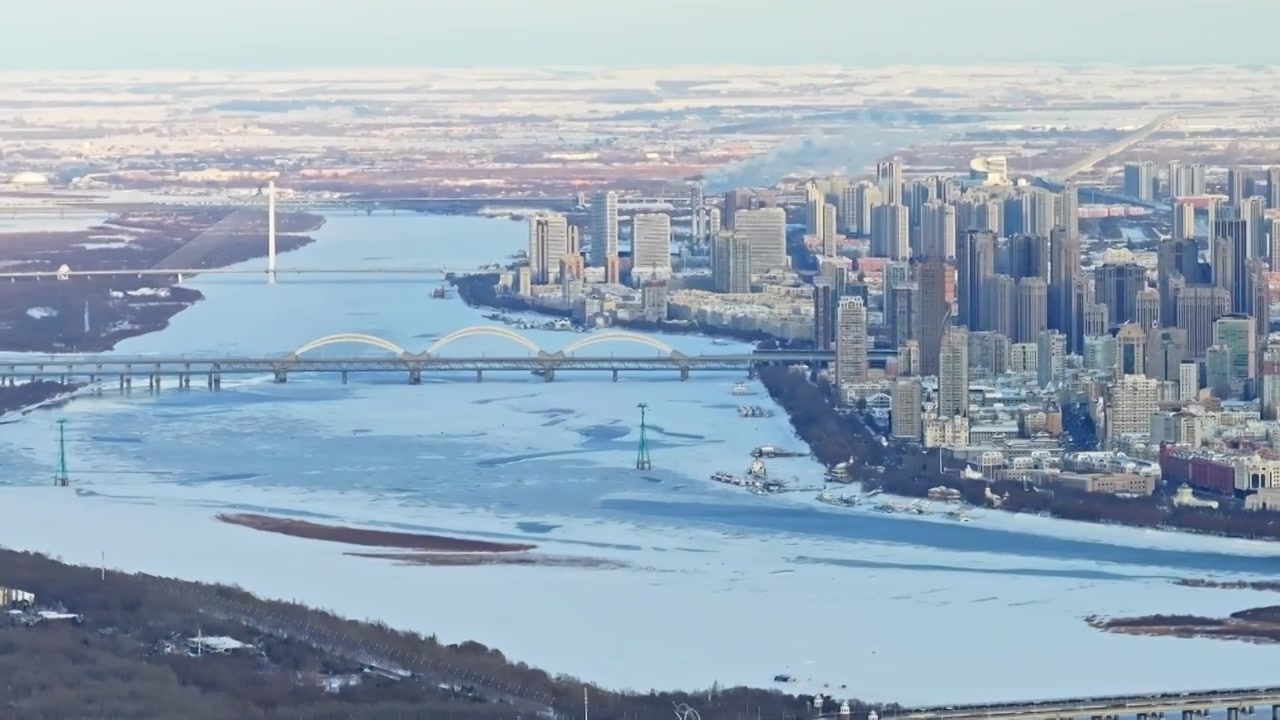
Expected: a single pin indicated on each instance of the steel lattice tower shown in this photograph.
(60, 478)
(642, 452)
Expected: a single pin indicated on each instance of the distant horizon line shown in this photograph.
(637, 66)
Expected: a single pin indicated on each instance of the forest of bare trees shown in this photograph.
(112, 665)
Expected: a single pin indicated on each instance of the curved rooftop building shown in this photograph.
(993, 170)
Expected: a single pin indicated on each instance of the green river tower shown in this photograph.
(61, 479)
(642, 453)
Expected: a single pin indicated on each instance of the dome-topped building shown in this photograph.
(28, 178)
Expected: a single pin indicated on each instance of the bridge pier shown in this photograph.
(184, 381)
(752, 372)
(282, 376)
(479, 376)
(344, 377)
(1233, 713)
(154, 383)
(684, 374)
(415, 377)
(615, 376)
(549, 375)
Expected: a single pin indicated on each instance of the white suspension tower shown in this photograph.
(271, 232)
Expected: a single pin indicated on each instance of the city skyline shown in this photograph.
(639, 339)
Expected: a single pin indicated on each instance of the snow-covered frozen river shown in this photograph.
(720, 585)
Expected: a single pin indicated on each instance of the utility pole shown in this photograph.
(642, 452)
(60, 478)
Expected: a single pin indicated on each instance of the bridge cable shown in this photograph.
(218, 244)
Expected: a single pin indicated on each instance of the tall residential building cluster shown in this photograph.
(741, 222)
(988, 317)
(972, 253)
(973, 310)
(720, 259)
(993, 290)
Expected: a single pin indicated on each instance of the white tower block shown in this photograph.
(271, 231)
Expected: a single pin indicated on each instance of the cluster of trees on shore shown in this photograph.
(832, 438)
(31, 393)
(1261, 624)
(109, 666)
(481, 290)
(835, 438)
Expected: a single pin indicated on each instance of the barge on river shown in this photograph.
(755, 484)
(771, 451)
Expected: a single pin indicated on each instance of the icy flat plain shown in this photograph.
(720, 585)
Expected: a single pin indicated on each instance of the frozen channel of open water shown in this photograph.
(721, 585)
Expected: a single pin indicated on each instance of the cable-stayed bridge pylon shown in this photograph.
(231, 239)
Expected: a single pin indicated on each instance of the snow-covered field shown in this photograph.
(720, 585)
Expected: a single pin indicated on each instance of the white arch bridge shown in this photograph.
(643, 353)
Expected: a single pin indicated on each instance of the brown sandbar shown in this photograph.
(471, 559)
(369, 538)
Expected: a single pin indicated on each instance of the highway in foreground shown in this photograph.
(1194, 702)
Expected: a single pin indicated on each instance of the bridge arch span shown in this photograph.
(350, 339)
(483, 331)
(619, 336)
(880, 400)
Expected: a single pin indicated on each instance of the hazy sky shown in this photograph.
(279, 34)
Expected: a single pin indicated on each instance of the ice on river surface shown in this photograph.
(720, 585)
